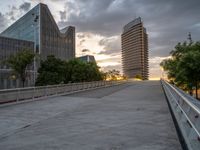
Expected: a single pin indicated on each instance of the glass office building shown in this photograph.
(39, 26)
(25, 27)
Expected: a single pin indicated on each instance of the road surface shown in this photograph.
(133, 116)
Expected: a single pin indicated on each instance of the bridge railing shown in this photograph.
(32, 93)
(187, 114)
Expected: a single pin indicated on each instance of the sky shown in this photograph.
(99, 25)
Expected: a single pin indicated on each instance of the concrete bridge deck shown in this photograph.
(133, 116)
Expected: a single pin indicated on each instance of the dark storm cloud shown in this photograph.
(167, 22)
(25, 6)
(95, 16)
(11, 14)
(14, 13)
(85, 50)
(111, 46)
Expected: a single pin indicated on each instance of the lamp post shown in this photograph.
(35, 17)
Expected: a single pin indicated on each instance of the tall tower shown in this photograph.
(135, 50)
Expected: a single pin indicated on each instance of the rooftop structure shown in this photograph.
(87, 58)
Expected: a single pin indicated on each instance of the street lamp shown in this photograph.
(36, 17)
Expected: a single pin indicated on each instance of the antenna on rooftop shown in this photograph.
(190, 37)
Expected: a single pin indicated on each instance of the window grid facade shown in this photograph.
(135, 50)
(8, 47)
(43, 34)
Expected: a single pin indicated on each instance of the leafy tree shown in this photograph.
(94, 71)
(124, 77)
(112, 74)
(183, 68)
(55, 71)
(51, 71)
(79, 71)
(138, 76)
(20, 62)
(189, 69)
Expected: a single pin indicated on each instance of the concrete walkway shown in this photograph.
(134, 116)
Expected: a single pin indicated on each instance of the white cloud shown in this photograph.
(88, 41)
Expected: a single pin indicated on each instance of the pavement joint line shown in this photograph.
(5, 135)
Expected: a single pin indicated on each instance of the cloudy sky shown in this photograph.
(99, 24)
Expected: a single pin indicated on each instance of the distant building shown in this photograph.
(87, 58)
(38, 26)
(135, 50)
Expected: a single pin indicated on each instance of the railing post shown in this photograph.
(56, 89)
(46, 91)
(18, 94)
(72, 88)
(33, 96)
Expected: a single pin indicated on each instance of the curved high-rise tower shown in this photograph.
(135, 50)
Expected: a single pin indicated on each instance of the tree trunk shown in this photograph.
(196, 90)
(23, 82)
(191, 92)
(23, 78)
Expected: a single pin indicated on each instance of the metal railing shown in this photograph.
(186, 113)
(32, 93)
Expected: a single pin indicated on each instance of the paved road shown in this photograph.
(134, 116)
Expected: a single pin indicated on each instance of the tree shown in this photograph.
(183, 68)
(55, 71)
(20, 62)
(51, 71)
(112, 74)
(138, 76)
(80, 71)
(189, 68)
(124, 77)
(94, 71)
